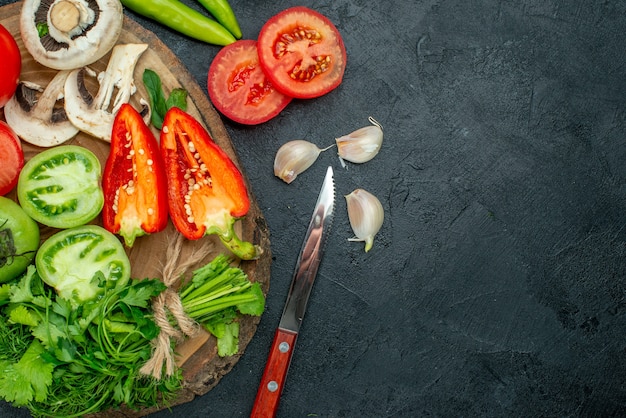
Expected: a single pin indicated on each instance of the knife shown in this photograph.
(281, 351)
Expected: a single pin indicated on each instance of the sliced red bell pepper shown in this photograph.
(206, 191)
(134, 183)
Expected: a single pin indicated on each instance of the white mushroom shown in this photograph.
(40, 121)
(68, 34)
(91, 114)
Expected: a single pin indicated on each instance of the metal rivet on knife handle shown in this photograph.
(273, 379)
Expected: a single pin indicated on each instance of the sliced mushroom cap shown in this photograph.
(68, 34)
(40, 121)
(95, 115)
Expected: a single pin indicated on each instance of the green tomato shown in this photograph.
(19, 240)
(61, 187)
(81, 262)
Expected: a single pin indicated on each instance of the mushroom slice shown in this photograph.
(40, 121)
(91, 114)
(68, 34)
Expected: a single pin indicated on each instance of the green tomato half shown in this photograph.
(19, 240)
(61, 187)
(80, 263)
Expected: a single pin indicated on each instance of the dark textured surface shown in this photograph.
(496, 286)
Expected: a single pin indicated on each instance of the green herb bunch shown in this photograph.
(59, 360)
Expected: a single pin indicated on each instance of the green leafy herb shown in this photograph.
(42, 29)
(79, 360)
(213, 297)
(24, 316)
(28, 379)
(31, 290)
(14, 340)
(158, 102)
(60, 359)
(227, 344)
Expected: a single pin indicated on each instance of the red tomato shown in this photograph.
(11, 158)
(11, 65)
(238, 87)
(302, 53)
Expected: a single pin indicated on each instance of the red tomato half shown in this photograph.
(238, 87)
(11, 65)
(11, 158)
(302, 53)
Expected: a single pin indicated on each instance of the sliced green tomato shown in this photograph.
(19, 239)
(61, 187)
(70, 261)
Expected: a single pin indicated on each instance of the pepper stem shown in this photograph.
(243, 249)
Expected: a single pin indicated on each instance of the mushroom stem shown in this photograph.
(65, 16)
(37, 120)
(95, 115)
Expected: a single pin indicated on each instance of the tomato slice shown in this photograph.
(238, 87)
(60, 187)
(70, 261)
(11, 66)
(19, 239)
(302, 53)
(11, 158)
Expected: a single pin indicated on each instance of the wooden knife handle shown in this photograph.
(273, 380)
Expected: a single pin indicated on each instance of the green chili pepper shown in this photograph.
(223, 13)
(183, 19)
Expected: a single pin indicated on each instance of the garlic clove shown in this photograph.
(366, 215)
(361, 145)
(294, 157)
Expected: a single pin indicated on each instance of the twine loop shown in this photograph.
(168, 306)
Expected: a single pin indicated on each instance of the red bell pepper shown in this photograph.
(206, 191)
(134, 183)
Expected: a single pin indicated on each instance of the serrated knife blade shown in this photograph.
(281, 351)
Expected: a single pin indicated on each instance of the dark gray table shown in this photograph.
(496, 286)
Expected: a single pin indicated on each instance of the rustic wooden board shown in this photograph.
(202, 367)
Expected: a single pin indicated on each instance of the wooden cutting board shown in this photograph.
(202, 367)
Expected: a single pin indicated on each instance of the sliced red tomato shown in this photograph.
(11, 65)
(238, 87)
(11, 158)
(302, 53)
